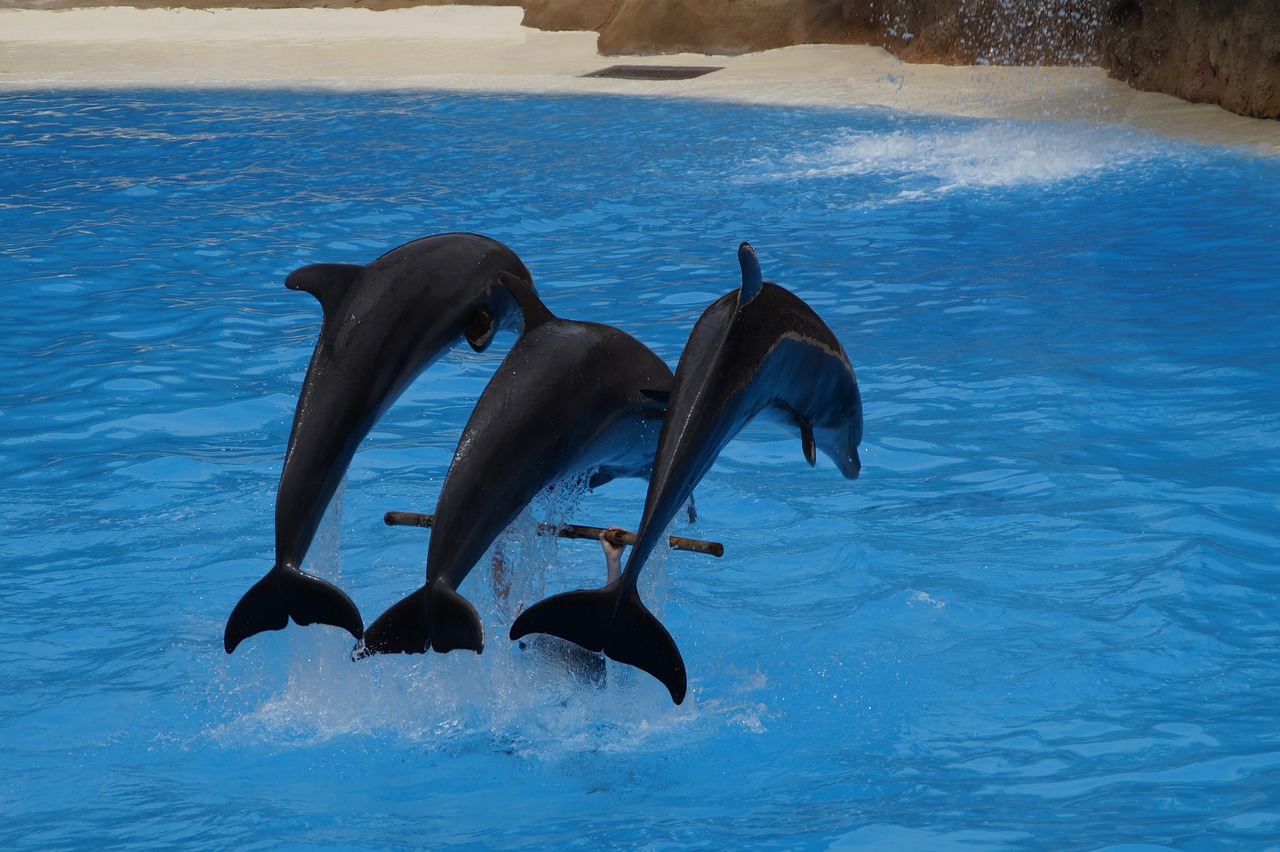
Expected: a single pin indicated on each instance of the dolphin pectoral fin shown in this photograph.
(402, 629)
(623, 629)
(807, 443)
(662, 397)
(262, 608)
(326, 281)
(481, 330)
(314, 601)
(600, 477)
(653, 405)
(455, 624)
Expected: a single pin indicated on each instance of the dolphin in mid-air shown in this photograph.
(570, 398)
(384, 323)
(757, 350)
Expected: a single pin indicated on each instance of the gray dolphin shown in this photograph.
(754, 351)
(571, 397)
(383, 325)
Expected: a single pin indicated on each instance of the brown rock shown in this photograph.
(1218, 51)
(726, 27)
(1225, 52)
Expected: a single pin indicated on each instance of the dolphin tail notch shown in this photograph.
(455, 624)
(438, 618)
(288, 593)
(402, 629)
(612, 620)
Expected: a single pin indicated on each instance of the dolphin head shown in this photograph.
(841, 432)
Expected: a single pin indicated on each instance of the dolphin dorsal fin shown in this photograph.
(328, 282)
(752, 281)
(535, 313)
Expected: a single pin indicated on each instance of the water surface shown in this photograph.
(1044, 617)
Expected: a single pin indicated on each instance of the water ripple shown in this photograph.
(1043, 617)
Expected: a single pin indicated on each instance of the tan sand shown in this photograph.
(484, 48)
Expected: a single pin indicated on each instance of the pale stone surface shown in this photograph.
(487, 48)
(1225, 52)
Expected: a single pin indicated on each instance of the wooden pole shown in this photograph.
(618, 538)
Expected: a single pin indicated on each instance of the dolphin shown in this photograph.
(571, 397)
(757, 350)
(384, 323)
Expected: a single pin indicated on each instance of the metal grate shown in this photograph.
(654, 72)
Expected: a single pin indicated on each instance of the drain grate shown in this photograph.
(654, 72)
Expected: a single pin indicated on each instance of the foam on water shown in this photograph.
(943, 158)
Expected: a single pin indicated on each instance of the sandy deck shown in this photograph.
(484, 48)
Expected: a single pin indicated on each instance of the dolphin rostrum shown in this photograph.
(570, 398)
(756, 350)
(384, 323)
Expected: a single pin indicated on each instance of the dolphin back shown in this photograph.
(613, 620)
(288, 593)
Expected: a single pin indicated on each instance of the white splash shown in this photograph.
(928, 160)
(539, 700)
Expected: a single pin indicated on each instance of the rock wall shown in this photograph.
(1225, 52)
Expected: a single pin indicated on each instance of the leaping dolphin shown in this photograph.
(384, 323)
(571, 397)
(757, 350)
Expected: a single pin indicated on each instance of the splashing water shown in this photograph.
(995, 154)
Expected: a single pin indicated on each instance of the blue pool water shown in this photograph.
(1045, 617)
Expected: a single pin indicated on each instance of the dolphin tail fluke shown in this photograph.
(315, 601)
(639, 639)
(287, 592)
(455, 624)
(432, 617)
(583, 618)
(623, 629)
(262, 608)
(402, 629)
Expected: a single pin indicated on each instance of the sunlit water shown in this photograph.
(1044, 617)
